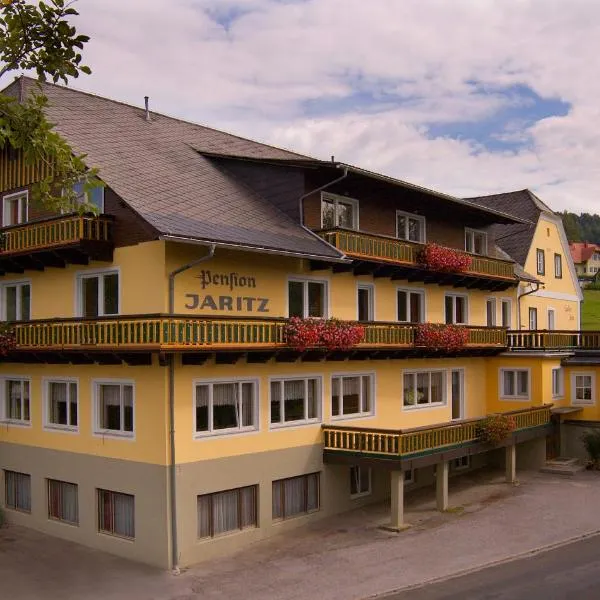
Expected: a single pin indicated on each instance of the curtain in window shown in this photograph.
(523, 383)
(13, 393)
(312, 411)
(351, 393)
(73, 416)
(58, 403)
(62, 501)
(123, 507)
(328, 214)
(225, 406)
(202, 393)
(276, 402)
(509, 383)
(204, 516)
(423, 388)
(335, 396)
(437, 387)
(18, 490)
(247, 404)
(366, 394)
(127, 408)
(293, 399)
(110, 407)
(316, 299)
(312, 495)
(225, 512)
(294, 496)
(249, 505)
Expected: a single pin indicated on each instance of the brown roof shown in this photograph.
(155, 166)
(582, 251)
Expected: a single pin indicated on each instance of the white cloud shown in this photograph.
(256, 76)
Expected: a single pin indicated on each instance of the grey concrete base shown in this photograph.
(396, 529)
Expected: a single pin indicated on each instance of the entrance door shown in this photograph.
(458, 393)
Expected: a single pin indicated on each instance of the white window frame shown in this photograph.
(506, 302)
(18, 283)
(532, 312)
(283, 424)
(415, 372)
(306, 281)
(232, 430)
(558, 272)
(12, 196)
(4, 418)
(46, 381)
(553, 311)
(362, 414)
(461, 463)
(494, 301)
(558, 391)
(119, 434)
(540, 265)
(592, 377)
(422, 227)
(421, 292)
(371, 288)
(470, 234)
(336, 198)
(114, 533)
(516, 396)
(101, 273)
(454, 296)
(359, 480)
(61, 518)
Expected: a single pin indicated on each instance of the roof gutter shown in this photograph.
(319, 189)
(519, 296)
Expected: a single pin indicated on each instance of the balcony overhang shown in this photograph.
(55, 242)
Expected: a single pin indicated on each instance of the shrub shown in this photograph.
(331, 334)
(441, 336)
(440, 258)
(591, 442)
(496, 428)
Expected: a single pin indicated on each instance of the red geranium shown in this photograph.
(441, 336)
(496, 428)
(322, 333)
(7, 340)
(440, 258)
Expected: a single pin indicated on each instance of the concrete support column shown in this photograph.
(441, 485)
(511, 463)
(397, 516)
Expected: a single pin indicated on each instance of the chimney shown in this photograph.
(147, 117)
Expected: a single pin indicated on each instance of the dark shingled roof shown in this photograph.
(157, 169)
(516, 239)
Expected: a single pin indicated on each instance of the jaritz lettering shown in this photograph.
(227, 303)
(228, 280)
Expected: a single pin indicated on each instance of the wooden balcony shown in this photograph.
(411, 443)
(258, 338)
(384, 256)
(543, 340)
(55, 242)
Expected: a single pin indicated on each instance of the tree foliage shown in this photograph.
(581, 228)
(39, 36)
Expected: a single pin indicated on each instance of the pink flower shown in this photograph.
(331, 334)
(441, 336)
(440, 258)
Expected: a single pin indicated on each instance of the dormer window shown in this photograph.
(475, 241)
(338, 211)
(94, 196)
(410, 227)
(15, 209)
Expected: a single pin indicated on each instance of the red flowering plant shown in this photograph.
(331, 334)
(441, 336)
(496, 428)
(7, 339)
(440, 258)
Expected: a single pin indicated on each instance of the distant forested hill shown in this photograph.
(581, 228)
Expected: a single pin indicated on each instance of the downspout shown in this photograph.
(319, 189)
(172, 469)
(519, 296)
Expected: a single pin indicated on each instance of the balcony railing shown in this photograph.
(366, 246)
(553, 340)
(53, 233)
(422, 440)
(161, 332)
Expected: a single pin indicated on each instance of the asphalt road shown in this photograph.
(568, 572)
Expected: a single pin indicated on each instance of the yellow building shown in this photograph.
(172, 386)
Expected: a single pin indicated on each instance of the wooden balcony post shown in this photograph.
(511, 463)
(441, 485)
(397, 503)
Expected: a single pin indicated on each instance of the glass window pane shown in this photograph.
(414, 230)
(275, 402)
(296, 299)
(509, 383)
(351, 394)
(461, 309)
(249, 505)
(437, 387)
(328, 214)
(10, 293)
(58, 413)
(416, 312)
(410, 397)
(110, 407)
(204, 516)
(312, 411)
(25, 302)
(366, 394)
(316, 299)
(128, 408)
(402, 307)
(335, 396)
(423, 388)
(225, 406)
(277, 500)
(89, 291)
(345, 215)
(402, 227)
(312, 492)
(449, 307)
(225, 511)
(247, 404)
(202, 394)
(293, 397)
(111, 294)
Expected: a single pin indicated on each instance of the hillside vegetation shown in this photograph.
(581, 228)
(590, 310)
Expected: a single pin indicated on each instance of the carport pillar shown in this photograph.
(441, 485)
(511, 463)
(397, 515)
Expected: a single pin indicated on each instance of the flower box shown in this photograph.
(331, 334)
(496, 428)
(7, 340)
(441, 337)
(440, 258)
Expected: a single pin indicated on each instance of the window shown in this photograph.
(540, 259)
(514, 383)
(226, 407)
(424, 388)
(63, 503)
(506, 308)
(307, 298)
(360, 481)
(583, 388)
(17, 491)
(116, 513)
(410, 227)
(94, 196)
(558, 383)
(338, 211)
(459, 464)
(409, 477)
(351, 395)
(61, 404)
(364, 298)
(456, 309)
(16, 301)
(15, 209)
(551, 319)
(98, 294)
(295, 400)
(411, 306)
(15, 403)
(533, 322)
(222, 512)
(295, 496)
(558, 266)
(475, 241)
(114, 408)
(490, 309)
